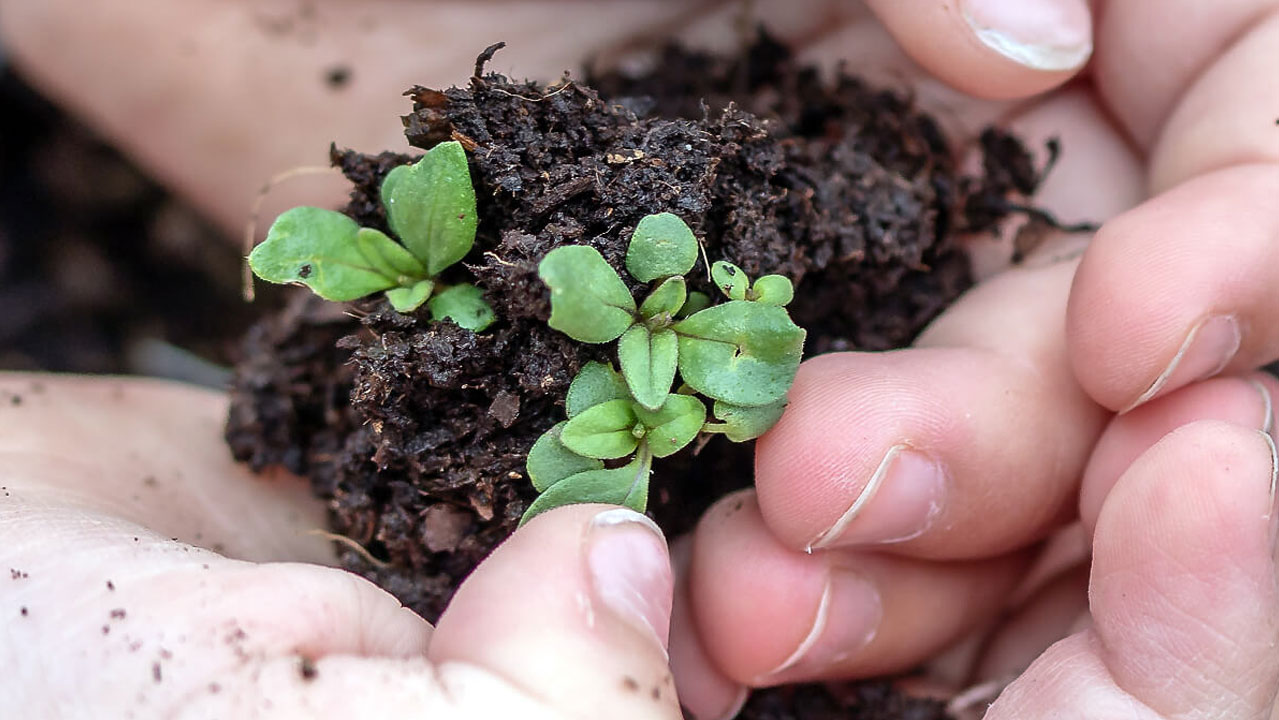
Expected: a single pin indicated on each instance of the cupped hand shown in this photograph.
(113, 608)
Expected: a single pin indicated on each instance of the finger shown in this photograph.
(1048, 616)
(768, 615)
(1144, 75)
(993, 48)
(1183, 591)
(1151, 311)
(1227, 116)
(917, 447)
(574, 610)
(152, 453)
(704, 691)
(1243, 401)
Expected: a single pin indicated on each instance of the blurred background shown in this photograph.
(102, 270)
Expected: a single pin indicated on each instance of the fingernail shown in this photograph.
(630, 570)
(1274, 486)
(1209, 346)
(1050, 35)
(899, 502)
(845, 621)
(739, 702)
(1267, 407)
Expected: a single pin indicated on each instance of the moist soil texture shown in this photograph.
(416, 432)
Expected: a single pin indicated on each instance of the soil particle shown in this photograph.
(337, 77)
(306, 669)
(862, 701)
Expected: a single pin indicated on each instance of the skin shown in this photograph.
(1014, 391)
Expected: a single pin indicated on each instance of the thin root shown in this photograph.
(358, 548)
(251, 226)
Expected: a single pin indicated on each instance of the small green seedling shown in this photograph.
(741, 354)
(430, 205)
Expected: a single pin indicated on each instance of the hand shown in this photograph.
(111, 608)
(972, 444)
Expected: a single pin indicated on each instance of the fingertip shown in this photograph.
(1246, 401)
(704, 691)
(595, 583)
(998, 49)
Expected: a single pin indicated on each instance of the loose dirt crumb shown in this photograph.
(307, 669)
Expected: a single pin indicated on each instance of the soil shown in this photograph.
(416, 432)
(102, 270)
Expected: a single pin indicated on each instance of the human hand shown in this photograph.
(112, 608)
(989, 396)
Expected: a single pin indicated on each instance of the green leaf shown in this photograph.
(431, 206)
(465, 305)
(743, 353)
(595, 383)
(697, 301)
(674, 425)
(605, 431)
(662, 245)
(589, 302)
(329, 253)
(741, 423)
(773, 290)
(730, 279)
(627, 485)
(648, 362)
(549, 461)
(408, 299)
(668, 298)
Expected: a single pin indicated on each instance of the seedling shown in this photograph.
(430, 206)
(741, 354)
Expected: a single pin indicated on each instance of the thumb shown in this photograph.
(574, 610)
(1000, 49)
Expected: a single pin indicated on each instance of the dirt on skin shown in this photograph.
(416, 432)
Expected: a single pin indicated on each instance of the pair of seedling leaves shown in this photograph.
(742, 354)
(430, 205)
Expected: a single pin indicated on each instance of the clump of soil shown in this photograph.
(416, 432)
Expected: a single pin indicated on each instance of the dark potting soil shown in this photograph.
(101, 269)
(416, 432)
